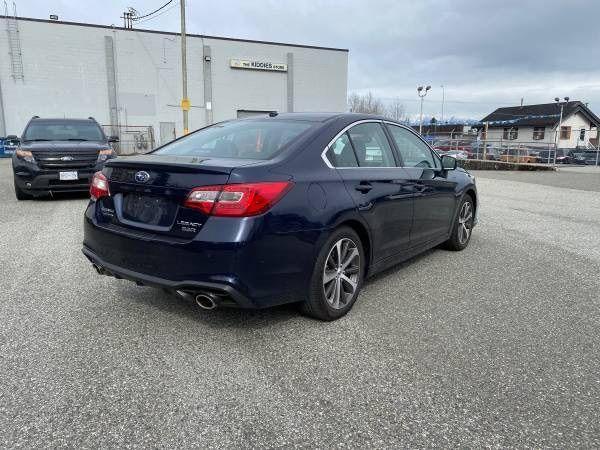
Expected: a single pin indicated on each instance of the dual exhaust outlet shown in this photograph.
(205, 300)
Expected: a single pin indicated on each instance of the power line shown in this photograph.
(153, 12)
(160, 14)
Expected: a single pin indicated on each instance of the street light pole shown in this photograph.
(556, 135)
(443, 100)
(185, 101)
(422, 92)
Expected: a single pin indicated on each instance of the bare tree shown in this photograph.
(366, 103)
(396, 110)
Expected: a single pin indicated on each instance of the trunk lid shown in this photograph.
(148, 191)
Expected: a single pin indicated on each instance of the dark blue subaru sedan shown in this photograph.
(290, 208)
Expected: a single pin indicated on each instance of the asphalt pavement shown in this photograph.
(495, 346)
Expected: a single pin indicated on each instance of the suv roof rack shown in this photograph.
(35, 117)
(91, 118)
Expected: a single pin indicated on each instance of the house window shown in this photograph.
(582, 134)
(538, 133)
(565, 132)
(511, 133)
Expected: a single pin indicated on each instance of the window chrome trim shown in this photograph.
(380, 121)
(435, 154)
(337, 136)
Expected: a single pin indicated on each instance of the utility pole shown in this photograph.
(422, 92)
(485, 132)
(185, 101)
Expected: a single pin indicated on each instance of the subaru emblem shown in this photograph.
(142, 176)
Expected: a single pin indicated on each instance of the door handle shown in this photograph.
(364, 187)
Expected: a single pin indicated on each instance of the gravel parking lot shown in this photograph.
(495, 346)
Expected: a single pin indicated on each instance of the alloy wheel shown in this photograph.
(465, 222)
(341, 273)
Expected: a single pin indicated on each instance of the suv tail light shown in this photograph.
(99, 186)
(237, 200)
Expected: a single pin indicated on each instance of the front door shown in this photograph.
(167, 132)
(434, 192)
(380, 190)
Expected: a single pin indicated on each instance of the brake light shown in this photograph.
(99, 186)
(237, 200)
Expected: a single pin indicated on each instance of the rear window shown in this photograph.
(252, 139)
(63, 131)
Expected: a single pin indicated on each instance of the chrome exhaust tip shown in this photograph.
(206, 301)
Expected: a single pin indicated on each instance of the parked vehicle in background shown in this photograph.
(491, 152)
(519, 155)
(458, 154)
(292, 208)
(59, 155)
(463, 146)
(11, 142)
(562, 157)
(588, 157)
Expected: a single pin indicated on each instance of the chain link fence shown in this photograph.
(132, 138)
(471, 146)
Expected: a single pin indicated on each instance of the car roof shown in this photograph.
(61, 120)
(327, 116)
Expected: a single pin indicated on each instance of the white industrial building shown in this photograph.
(129, 78)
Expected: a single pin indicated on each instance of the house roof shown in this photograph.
(546, 114)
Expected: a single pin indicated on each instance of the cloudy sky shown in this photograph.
(486, 53)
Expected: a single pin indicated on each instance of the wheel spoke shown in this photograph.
(352, 270)
(349, 281)
(338, 251)
(338, 288)
(329, 276)
(341, 273)
(353, 253)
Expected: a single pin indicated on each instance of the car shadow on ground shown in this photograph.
(223, 317)
(227, 317)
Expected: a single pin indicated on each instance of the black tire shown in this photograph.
(20, 194)
(317, 305)
(457, 241)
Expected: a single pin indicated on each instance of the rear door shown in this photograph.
(434, 192)
(380, 189)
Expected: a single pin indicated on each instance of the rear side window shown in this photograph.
(371, 146)
(413, 151)
(341, 153)
(248, 139)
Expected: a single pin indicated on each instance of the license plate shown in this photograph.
(66, 176)
(148, 209)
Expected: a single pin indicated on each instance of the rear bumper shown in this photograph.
(256, 269)
(231, 297)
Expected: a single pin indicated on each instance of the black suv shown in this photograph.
(59, 155)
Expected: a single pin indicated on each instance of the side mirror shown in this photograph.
(448, 162)
(113, 139)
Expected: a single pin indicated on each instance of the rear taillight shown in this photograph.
(237, 200)
(99, 186)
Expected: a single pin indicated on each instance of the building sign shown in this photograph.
(258, 65)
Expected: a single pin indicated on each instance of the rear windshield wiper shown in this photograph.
(35, 140)
(76, 139)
